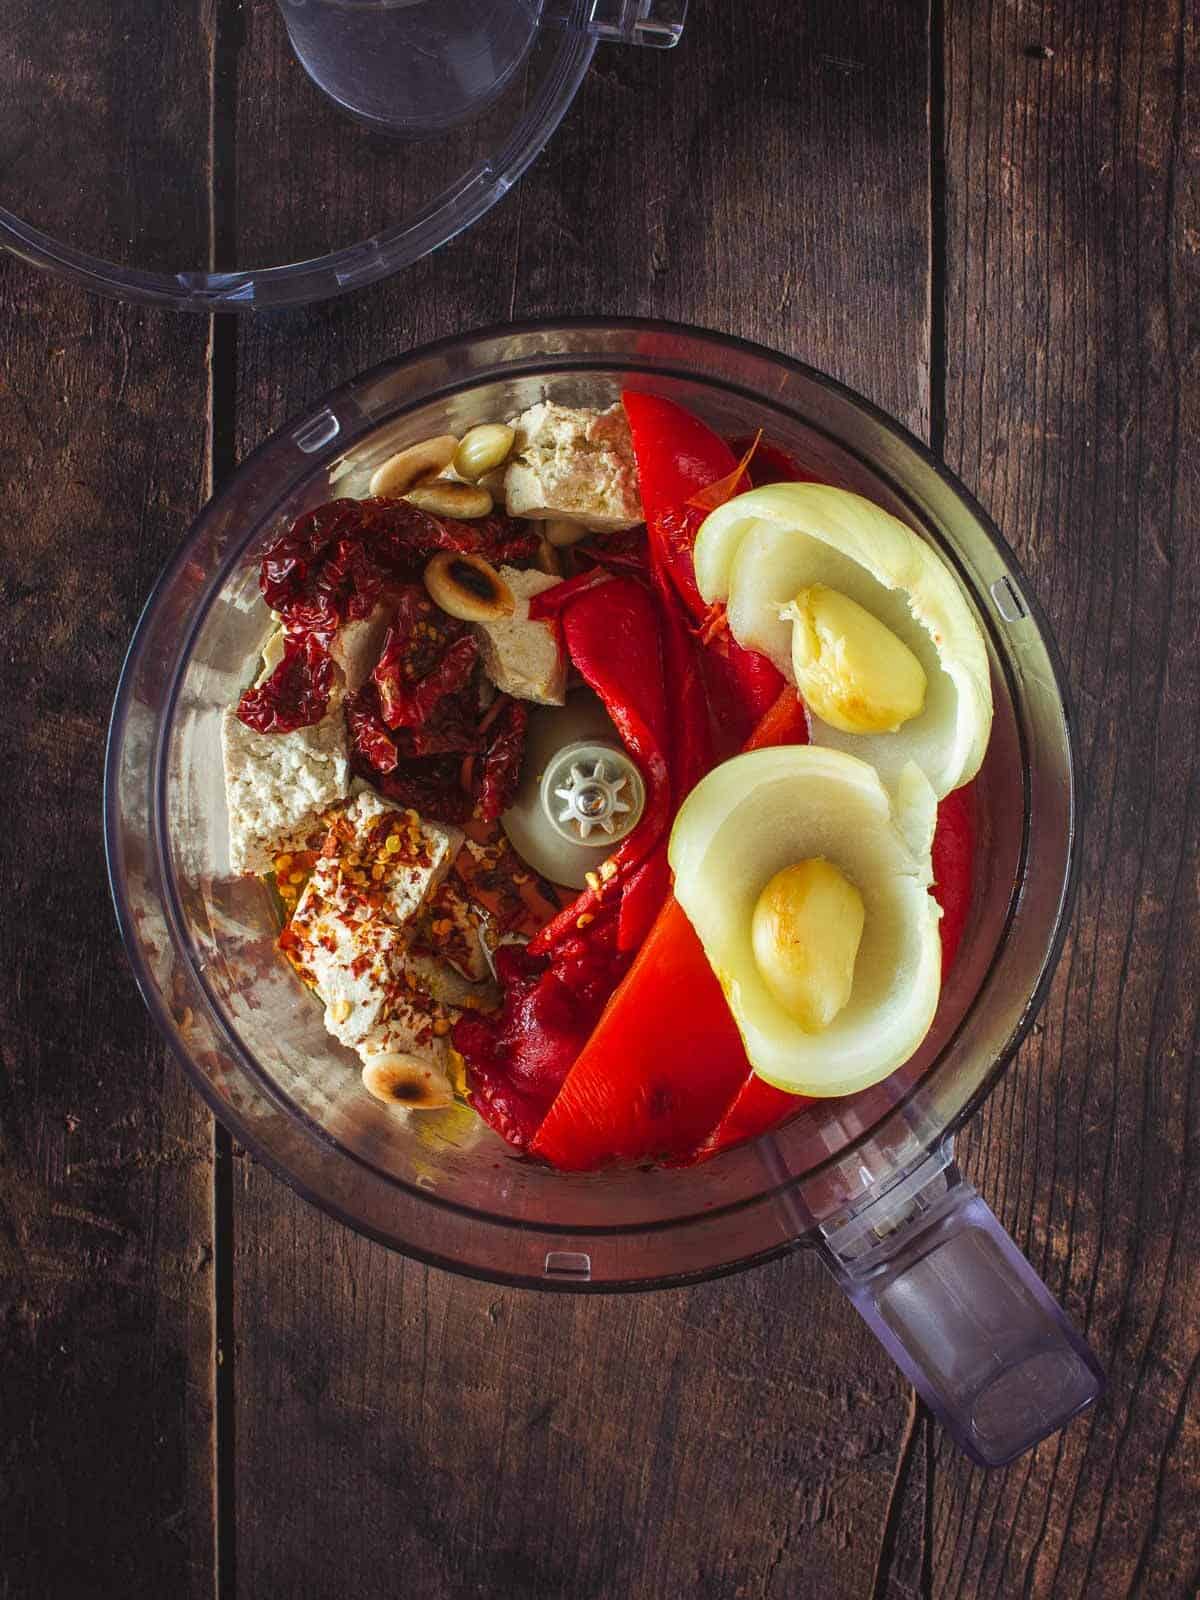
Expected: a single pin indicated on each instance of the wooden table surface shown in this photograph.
(984, 216)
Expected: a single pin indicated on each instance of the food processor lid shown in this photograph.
(228, 156)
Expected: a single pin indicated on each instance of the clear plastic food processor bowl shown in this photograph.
(868, 1181)
(276, 154)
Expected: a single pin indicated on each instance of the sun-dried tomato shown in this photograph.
(334, 565)
(429, 785)
(426, 657)
(627, 551)
(370, 741)
(502, 761)
(297, 692)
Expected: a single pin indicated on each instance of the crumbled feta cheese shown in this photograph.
(351, 928)
(278, 784)
(352, 965)
(522, 657)
(573, 465)
(416, 1027)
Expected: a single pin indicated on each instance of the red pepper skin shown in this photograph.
(677, 457)
(953, 858)
(770, 464)
(659, 1068)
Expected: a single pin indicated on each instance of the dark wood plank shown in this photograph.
(401, 1430)
(106, 1268)
(1071, 407)
(106, 1235)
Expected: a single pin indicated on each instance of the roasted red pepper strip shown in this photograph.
(553, 602)
(642, 898)
(612, 637)
(519, 1058)
(758, 1107)
(666, 1059)
(659, 1068)
(679, 456)
(691, 732)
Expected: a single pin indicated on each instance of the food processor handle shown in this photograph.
(656, 23)
(964, 1316)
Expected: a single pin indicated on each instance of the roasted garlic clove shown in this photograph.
(407, 1082)
(442, 497)
(852, 670)
(805, 933)
(468, 587)
(407, 467)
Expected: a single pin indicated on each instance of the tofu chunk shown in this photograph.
(520, 656)
(348, 936)
(277, 785)
(574, 465)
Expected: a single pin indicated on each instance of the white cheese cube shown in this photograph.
(521, 657)
(354, 966)
(278, 784)
(348, 935)
(415, 1026)
(573, 465)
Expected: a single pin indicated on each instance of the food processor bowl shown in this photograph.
(868, 1181)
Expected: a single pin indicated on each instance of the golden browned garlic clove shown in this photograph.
(407, 467)
(408, 1083)
(853, 671)
(805, 933)
(442, 497)
(468, 587)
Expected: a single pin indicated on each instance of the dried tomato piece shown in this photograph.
(370, 742)
(426, 657)
(297, 692)
(502, 760)
(627, 551)
(429, 785)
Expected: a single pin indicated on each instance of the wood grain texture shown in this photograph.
(402, 1431)
(1071, 408)
(106, 1326)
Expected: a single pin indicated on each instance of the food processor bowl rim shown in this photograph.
(280, 442)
